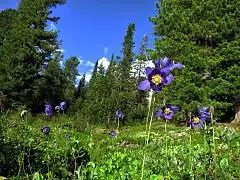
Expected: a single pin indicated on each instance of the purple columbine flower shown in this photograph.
(68, 136)
(167, 63)
(157, 78)
(200, 119)
(119, 114)
(112, 134)
(45, 130)
(48, 110)
(167, 111)
(62, 106)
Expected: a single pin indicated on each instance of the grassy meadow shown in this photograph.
(74, 150)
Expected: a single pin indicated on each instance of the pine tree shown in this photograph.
(128, 56)
(94, 74)
(139, 73)
(90, 102)
(80, 91)
(7, 19)
(100, 94)
(141, 58)
(71, 71)
(112, 95)
(28, 47)
(80, 94)
(127, 83)
(201, 34)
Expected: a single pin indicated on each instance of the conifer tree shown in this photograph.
(127, 83)
(139, 73)
(80, 94)
(204, 36)
(26, 49)
(141, 58)
(80, 91)
(7, 19)
(111, 97)
(89, 103)
(70, 71)
(94, 74)
(100, 94)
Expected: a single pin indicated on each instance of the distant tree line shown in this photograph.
(201, 34)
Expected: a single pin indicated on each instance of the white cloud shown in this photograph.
(78, 77)
(104, 61)
(61, 63)
(89, 63)
(87, 77)
(91, 70)
(106, 50)
(52, 26)
(80, 59)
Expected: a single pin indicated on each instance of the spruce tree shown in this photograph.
(90, 102)
(80, 90)
(139, 73)
(71, 71)
(204, 36)
(26, 49)
(111, 97)
(80, 94)
(127, 83)
(7, 19)
(94, 74)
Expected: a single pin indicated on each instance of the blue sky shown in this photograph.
(94, 29)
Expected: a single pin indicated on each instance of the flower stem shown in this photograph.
(205, 147)
(148, 133)
(150, 123)
(118, 123)
(190, 154)
(214, 150)
(149, 109)
(166, 144)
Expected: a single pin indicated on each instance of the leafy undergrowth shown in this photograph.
(68, 153)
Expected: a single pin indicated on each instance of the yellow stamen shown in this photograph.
(196, 120)
(167, 111)
(157, 79)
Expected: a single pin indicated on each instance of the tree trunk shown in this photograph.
(237, 113)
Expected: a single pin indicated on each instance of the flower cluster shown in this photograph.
(157, 78)
(198, 121)
(60, 108)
